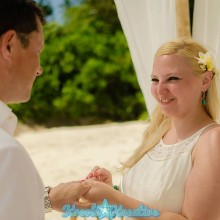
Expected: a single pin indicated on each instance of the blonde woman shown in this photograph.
(176, 169)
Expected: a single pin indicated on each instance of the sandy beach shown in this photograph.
(64, 154)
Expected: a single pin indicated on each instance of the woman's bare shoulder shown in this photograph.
(201, 200)
(208, 141)
(211, 135)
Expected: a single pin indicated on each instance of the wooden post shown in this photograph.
(183, 18)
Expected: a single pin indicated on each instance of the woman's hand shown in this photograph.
(100, 191)
(101, 174)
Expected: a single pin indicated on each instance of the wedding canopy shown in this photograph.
(206, 25)
(147, 24)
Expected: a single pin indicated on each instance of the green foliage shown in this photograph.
(88, 74)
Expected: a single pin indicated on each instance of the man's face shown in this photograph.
(26, 66)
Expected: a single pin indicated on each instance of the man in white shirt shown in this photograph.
(22, 193)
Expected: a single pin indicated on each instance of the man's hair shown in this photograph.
(21, 16)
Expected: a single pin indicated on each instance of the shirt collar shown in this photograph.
(8, 120)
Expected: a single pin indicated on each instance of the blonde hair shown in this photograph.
(159, 123)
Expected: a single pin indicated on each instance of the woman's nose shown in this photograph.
(162, 88)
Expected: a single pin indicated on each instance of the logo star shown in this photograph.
(105, 210)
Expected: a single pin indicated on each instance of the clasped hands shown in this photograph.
(93, 189)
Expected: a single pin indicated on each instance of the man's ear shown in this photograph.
(206, 80)
(8, 40)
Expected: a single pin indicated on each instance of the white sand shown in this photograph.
(69, 153)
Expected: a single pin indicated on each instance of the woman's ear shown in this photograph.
(206, 80)
(7, 43)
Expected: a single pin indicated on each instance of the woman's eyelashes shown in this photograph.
(154, 80)
(171, 78)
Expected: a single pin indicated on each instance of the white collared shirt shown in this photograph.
(21, 188)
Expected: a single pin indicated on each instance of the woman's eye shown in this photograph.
(154, 80)
(173, 78)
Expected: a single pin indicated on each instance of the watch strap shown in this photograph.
(47, 202)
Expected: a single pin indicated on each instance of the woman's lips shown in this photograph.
(166, 101)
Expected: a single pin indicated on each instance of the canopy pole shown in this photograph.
(183, 18)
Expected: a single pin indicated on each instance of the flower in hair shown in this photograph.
(206, 61)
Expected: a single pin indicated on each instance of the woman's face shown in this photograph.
(175, 86)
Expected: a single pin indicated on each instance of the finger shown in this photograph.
(91, 182)
(81, 205)
(92, 178)
(84, 188)
(91, 174)
(102, 172)
(103, 175)
(95, 169)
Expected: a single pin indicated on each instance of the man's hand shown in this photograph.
(68, 193)
(101, 191)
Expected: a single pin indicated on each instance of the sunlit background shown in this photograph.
(88, 79)
(88, 75)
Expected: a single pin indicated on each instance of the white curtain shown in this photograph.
(149, 23)
(206, 25)
(146, 24)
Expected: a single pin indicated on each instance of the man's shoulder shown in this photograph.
(7, 141)
(16, 157)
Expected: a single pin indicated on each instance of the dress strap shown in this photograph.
(199, 132)
(164, 151)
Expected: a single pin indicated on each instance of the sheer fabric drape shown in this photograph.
(206, 25)
(149, 23)
(146, 25)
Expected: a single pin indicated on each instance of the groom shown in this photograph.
(22, 193)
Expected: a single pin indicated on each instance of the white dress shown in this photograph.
(159, 178)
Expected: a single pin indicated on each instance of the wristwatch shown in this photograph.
(47, 202)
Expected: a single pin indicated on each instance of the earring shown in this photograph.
(204, 95)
